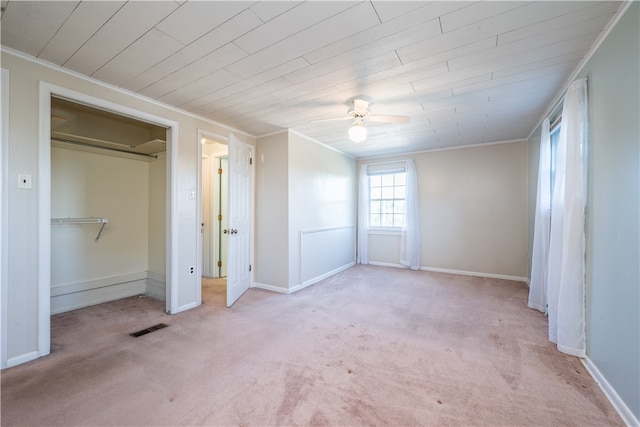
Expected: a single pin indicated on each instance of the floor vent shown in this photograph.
(148, 330)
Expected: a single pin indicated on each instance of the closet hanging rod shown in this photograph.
(89, 220)
(84, 144)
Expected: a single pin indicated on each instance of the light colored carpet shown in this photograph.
(368, 346)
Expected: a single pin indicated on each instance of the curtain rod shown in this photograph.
(84, 144)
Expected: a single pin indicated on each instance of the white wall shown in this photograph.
(322, 211)
(88, 184)
(305, 212)
(157, 217)
(473, 211)
(613, 212)
(272, 212)
(24, 206)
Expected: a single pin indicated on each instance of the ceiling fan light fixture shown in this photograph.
(357, 132)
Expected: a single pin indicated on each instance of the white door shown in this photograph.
(239, 219)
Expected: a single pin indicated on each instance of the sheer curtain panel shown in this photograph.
(363, 217)
(566, 274)
(540, 256)
(410, 243)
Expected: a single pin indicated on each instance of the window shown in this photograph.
(387, 199)
(555, 136)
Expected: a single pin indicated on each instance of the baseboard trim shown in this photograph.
(156, 285)
(386, 264)
(475, 273)
(23, 358)
(623, 410)
(78, 295)
(459, 272)
(81, 299)
(271, 288)
(62, 290)
(322, 276)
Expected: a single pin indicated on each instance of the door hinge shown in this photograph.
(219, 171)
(249, 267)
(219, 263)
(219, 217)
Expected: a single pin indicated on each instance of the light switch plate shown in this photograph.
(24, 181)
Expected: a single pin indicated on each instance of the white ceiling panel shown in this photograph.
(354, 19)
(208, 43)
(476, 12)
(125, 27)
(83, 22)
(466, 73)
(388, 10)
(194, 90)
(195, 70)
(549, 17)
(267, 10)
(196, 18)
(28, 26)
(148, 50)
(289, 23)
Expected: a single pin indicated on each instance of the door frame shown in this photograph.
(46, 91)
(214, 234)
(223, 140)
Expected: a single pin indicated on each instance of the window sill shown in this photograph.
(386, 231)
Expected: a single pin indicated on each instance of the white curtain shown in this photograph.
(566, 274)
(363, 217)
(410, 244)
(540, 256)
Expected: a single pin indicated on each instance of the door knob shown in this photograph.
(234, 231)
(225, 231)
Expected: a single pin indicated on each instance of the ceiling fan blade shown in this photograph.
(360, 105)
(331, 120)
(390, 119)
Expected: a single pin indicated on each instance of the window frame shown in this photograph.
(380, 229)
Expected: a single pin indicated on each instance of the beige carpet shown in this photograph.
(368, 346)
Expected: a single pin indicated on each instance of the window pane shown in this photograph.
(387, 180)
(386, 200)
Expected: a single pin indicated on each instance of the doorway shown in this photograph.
(108, 198)
(214, 207)
(171, 288)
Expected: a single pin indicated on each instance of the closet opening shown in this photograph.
(108, 207)
(214, 218)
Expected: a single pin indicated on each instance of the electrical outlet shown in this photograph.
(192, 271)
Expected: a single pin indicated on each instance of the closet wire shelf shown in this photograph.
(89, 220)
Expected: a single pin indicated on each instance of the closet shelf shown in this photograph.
(89, 220)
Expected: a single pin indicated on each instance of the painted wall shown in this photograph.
(23, 264)
(473, 211)
(272, 212)
(613, 210)
(322, 210)
(305, 212)
(157, 218)
(85, 271)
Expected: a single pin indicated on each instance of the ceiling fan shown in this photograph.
(360, 113)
